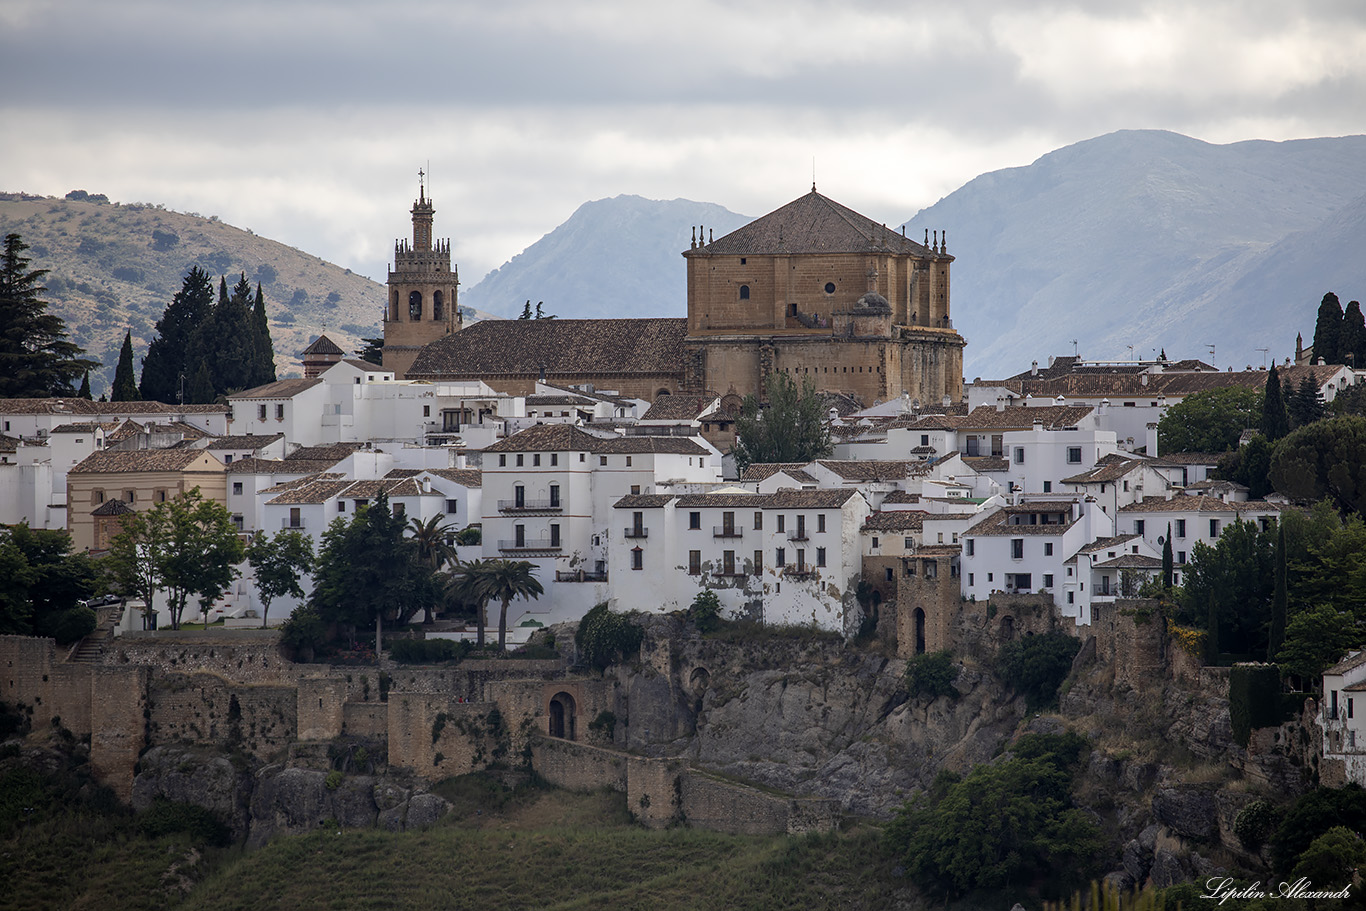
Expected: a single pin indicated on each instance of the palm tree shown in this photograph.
(432, 550)
(505, 580)
(464, 585)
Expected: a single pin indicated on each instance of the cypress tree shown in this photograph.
(167, 356)
(265, 348)
(1275, 418)
(1352, 345)
(1278, 599)
(36, 360)
(1167, 568)
(125, 387)
(84, 391)
(1304, 406)
(1328, 330)
(200, 391)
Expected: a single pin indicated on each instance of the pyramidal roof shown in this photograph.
(323, 345)
(813, 224)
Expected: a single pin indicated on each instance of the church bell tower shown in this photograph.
(423, 290)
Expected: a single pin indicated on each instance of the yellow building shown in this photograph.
(140, 479)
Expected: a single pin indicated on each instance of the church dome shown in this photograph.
(874, 302)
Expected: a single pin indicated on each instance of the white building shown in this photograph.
(1191, 518)
(1344, 731)
(1106, 569)
(791, 557)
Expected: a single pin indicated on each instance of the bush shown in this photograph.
(931, 675)
(428, 651)
(67, 625)
(705, 612)
(1254, 823)
(1035, 666)
(1254, 699)
(604, 637)
(606, 723)
(303, 632)
(1312, 815)
(333, 779)
(166, 817)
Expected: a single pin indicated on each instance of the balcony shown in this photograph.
(637, 532)
(561, 576)
(544, 545)
(799, 572)
(294, 524)
(798, 535)
(727, 531)
(529, 506)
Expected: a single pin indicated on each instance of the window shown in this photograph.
(279, 412)
(415, 305)
(452, 507)
(820, 522)
(536, 459)
(1048, 548)
(972, 579)
(521, 460)
(971, 546)
(227, 459)
(554, 458)
(744, 292)
(829, 287)
(635, 489)
(758, 561)
(237, 488)
(260, 412)
(889, 576)
(637, 558)
(160, 495)
(1017, 548)
(426, 411)
(554, 534)
(908, 543)
(1214, 528)
(924, 439)
(582, 456)
(341, 506)
(131, 496)
(1180, 556)
(1047, 580)
(399, 509)
(801, 559)
(1073, 455)
(820, 557)
(758, 521)
(782, 523)
(555, 495)
(694, 562)
(1180, 528)
(628, 461)
(602, 460)
(1126, 486)
(780, 557)
(727, 562)
(694, 520)
(875, 542)
(502, 460)
(1019, 455)
(1071, 596)
(1047, 486)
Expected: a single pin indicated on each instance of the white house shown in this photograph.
(1100, 570)
(1191, 518)
(1344, 731)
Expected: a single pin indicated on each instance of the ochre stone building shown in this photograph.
(814, 290)
(423, 287)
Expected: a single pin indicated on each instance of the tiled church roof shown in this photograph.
(813, 224)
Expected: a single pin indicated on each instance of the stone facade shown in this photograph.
(423, 292)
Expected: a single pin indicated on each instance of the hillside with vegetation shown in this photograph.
(114, 267)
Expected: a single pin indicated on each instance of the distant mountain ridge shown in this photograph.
(612, 258)
(1150, 239)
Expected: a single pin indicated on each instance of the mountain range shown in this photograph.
(1113, 248)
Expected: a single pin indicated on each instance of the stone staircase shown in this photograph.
(90, 650)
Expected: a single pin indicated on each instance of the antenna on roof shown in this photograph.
(813, 173)
(1263, 351)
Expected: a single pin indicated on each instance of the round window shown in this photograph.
(829, 287)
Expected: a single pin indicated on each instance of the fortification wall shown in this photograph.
(1131, 638)
(577, 766)
(206, 708)
(118, 702)
(726, 806)
(33, 673)
(241, 656)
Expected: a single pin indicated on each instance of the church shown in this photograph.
(813, 289)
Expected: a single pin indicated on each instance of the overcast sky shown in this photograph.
(307, 121)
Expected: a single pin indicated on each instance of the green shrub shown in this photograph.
(428, 651)
(606, 723)
(605, 636)
(705, 612)
(166, 817)
(67, 625)
(1035, 666)
(334, 779)
(931, 675)
(1254, 823)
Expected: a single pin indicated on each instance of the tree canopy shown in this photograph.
(45, 584)
(168, 356)
(36, 360)
(125, 388)
(1209, 421)
(789, 427)
(1324, 459)
(279, 564)
(1328, 330)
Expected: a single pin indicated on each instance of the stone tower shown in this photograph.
(423, 291)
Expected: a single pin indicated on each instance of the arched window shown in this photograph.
(437, 308)
(415, 306)
(562, 716)
(393, 305)
(744, 292)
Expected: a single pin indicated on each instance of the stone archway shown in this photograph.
(563, 716)
(698, 680)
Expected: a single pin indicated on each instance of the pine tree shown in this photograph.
(1328, 330)
(165, 366)
(226, 340)
(1304, 406)
(1275, 418)
(1352, 345)
(265, 348)
(125, 387)
(36, 360)
(526, 311)
(84, 391)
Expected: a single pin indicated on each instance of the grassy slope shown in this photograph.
(83, 243)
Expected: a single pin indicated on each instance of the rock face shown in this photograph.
(281, 799)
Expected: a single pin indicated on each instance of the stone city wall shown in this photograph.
(241, 656)
(738, 809)
(206, 708)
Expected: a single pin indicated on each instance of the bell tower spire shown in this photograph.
(423, 289)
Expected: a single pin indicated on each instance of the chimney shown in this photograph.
(1034, 369)
(1000, 403)
(1144, 379)
(1104, 404)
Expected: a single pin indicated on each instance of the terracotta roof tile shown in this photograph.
(758, 471)
(867, 470)
(678, 407)
(568, 438)
(112, 461)
(281, 389)
(896, 520)
(322, 345)
(465, 477)
(814, 224)
(112, 508)
(1198, 503)
(243, 441)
